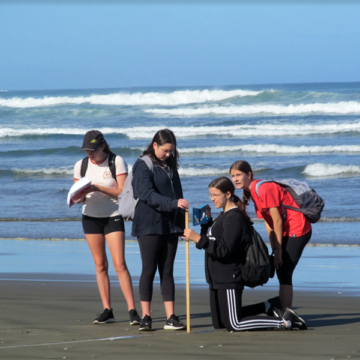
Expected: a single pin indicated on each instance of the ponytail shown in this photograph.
(246, 197)
(241, 205)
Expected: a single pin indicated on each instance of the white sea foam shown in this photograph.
(273, 148)
(46, 171)
(144, 132)
(328, 170)
(208, 171)
(192, 171)
(343, 107)
(124, 99)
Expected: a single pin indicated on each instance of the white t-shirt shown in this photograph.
(96, 203)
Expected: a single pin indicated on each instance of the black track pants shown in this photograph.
(226, 312)
(157, 252)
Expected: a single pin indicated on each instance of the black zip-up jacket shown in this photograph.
(225, 249)
(156, 212)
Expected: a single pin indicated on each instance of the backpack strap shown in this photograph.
(112, 165)
(257, 187)
(84, 166)
(147, 160)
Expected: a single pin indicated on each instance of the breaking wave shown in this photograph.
(340, 108)
(127, 99)
(327, 170)
(145, 132)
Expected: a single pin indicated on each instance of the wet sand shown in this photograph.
(50, 317)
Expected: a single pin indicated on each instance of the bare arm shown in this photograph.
(275, 235)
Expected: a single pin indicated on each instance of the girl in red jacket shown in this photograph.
(289, 231)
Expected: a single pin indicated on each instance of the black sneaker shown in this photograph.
(296, 321)
(145, 323)
(134, 317)
(105, 318)
(173, 323)
(275, 307)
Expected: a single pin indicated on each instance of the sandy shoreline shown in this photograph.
(52, 319)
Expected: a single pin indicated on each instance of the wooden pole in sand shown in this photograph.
(187, 275)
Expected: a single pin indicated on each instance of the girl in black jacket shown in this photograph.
(225, 241)
(159, 219)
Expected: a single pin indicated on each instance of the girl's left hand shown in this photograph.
(90, 189)
(191, 235)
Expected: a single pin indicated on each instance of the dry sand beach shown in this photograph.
(47, 313)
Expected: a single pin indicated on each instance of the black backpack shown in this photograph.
(85, 162)
(257, 268)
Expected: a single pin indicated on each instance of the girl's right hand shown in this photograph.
(208, 211)
(183, 204)
(278, 257)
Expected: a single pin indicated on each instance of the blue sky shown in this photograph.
(92, 45)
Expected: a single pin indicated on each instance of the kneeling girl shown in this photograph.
(225, 241)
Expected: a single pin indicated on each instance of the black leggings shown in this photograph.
(226, 312)
(157, 252)
(292, 248)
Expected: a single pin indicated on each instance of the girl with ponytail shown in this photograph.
(225, 241)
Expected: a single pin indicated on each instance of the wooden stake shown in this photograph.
(187, 274)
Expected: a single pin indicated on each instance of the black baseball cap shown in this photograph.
(92, 140)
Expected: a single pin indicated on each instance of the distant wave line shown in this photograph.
(273, 148)
(250, 148)
(183, 171)
(126, 99)
(342, 107)
(144, 132)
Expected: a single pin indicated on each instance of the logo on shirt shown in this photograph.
(107, 174)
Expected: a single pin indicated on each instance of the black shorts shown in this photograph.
(93, 225)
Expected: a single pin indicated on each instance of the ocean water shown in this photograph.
(304, 131)
(321, 268)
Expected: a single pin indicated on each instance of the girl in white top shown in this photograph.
(102, 222)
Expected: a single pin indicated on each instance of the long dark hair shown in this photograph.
(243, 166)
(162, 137)
(107, 149)
(225, 185)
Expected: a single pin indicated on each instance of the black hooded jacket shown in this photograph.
(158, 193)
(225, 249)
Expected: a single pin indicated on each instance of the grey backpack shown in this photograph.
(127, 202)
(305, 197)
